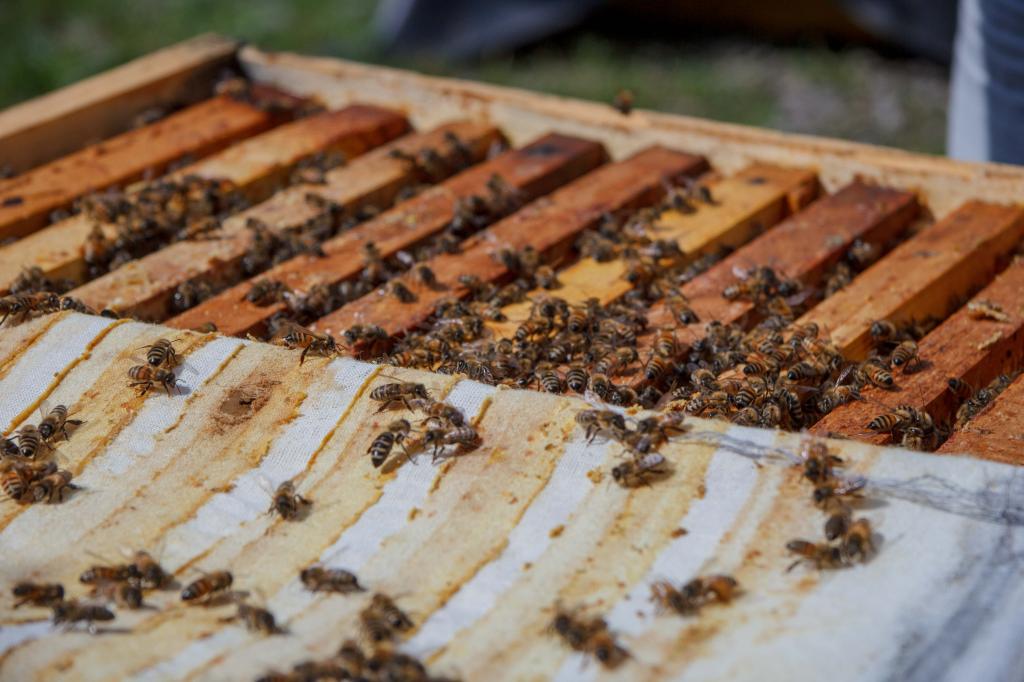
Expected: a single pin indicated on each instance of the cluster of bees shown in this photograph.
(28, 474)
(590, 636)
(21, 307)
(161, 361)
(443, 426)
(123, 585)
(353, 662)
(639, 437)
(160, 212)
(470, 215)
(976, 401)
(847, 539)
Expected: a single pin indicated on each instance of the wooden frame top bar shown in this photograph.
(534, 170)
(548, 226)
(93, 109)
(27, 200)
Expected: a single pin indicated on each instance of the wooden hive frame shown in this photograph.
(532, 518)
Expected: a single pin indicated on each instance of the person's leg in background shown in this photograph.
(986, 109)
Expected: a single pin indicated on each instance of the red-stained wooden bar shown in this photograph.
(548, 225)
(27, 200)
(925, 276)
(144, 288)
(533, 170)
(256, 167)
(802, 247)
(996, 433)
(965, 347)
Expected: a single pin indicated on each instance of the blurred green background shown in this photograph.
(803, 86)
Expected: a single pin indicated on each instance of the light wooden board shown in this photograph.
(481, 548)
(90, 110)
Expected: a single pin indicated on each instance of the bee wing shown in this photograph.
(741, 273)
(265, 485)
(852, 485)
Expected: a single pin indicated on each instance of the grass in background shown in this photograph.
(850, 94)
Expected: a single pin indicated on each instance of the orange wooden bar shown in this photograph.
(143, 288)
(925, 276)
(257, 167)
(997, 432)
(802, 247)
(533, 170)
(966, 347)
(549, 226)
(27, 200)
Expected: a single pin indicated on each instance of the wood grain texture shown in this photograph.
(523, 523)
(143, 288)
(962, 347)
(59, 122)
(753, 200)
(534, 170)
(549, 226)
(27, 200)
(927, 275)
(997, 433)
(256, 167)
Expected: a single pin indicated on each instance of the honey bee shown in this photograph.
(147, 376)
(72, 612)
(883, 330)
(549, 380)
(256, 619)
(286, 503)
(205, 589)
(623, 102)
(832, 494)
(266, 292)
(822, 555)
(150, 574)
(818, 461)
(381, 447)
(838, 523)
(904, 355)
(109, 573)
(877, 374)
(835, 396)
(635, 472)
(960, 388)
(546, 277)
(857, 540)
(704, 379)
(295, 336)
(427, 277)
(402, 292)
(37, 594)
(680, 308)
(440, 410)
(30, 441)
(125, 594)
(190, 294)
(597, 422)
(576, 378)
(402, 392)
(52, 488)
(806, 369)
(337, 580)
(56, 421)
(382, 619)
(588, 636)
(464, 437)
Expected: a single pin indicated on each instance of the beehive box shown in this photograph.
(481, 548)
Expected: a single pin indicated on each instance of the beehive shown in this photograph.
(480, 548)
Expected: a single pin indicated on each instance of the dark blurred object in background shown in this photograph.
(463, 29)
(986, 111)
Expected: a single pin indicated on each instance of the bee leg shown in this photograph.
(302, 358)
(795, 564)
